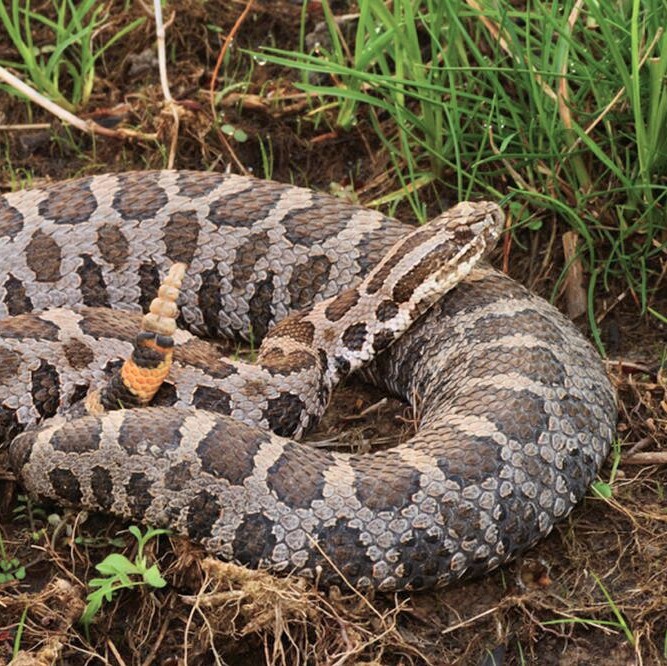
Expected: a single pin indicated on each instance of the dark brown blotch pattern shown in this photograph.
(45, 389)
(69, 202)
(203, 510)
(405, 287)
(113, 245)
(158, 429)
(254, 540)
(384, 482)
(339, 543)
(139, 490)
(181, 233)
(467, 459)
(102, 486)
(43, 256)
(260, 306)
(245, 208)
(11, 221)
(209, 300)
(308, 279)
(297, 479)
(104, 323)
(341, 305)
(382, 339)
(253, 248)
(149, 283)
(78, 354)
(10, 361)
(16, 299)
(283, 413)
(139, 197)
(195, 184)
(213, 399)
(277, 362)
(295, 327)
(238, 461)
(9, 429)
(66, 485)
(386, 310)
(29, 326)
(178, 475)
(322, 220)
(355, 336)
(93, 287)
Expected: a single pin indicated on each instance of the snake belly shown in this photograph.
(516, 411)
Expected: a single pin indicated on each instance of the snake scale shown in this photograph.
(516, 413)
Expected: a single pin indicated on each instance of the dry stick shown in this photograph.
(564, 92)
(164, 81)
(574, 273)
(29, 127)
(575, 294)
(647, 458)
(214, 77)
(87, 126)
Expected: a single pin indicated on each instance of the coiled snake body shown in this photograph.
(516, 412)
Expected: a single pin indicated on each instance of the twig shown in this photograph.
(628, 366)
(87, 126)
(647, 458)
(223, 50)
(470, 620)
(24, 127)
(214, 77)
(170, 104)
(375, 407)
(161, 52)
(564, 111)
(114, 651)
(575, 294)
(639, 446)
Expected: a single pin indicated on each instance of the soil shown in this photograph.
(594, 591)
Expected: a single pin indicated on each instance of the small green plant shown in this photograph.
(120, 574)
(64, 68)
(10, 568)
(235, 133)
(605, 489)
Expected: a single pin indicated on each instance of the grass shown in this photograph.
(64, 70)
(560, 110)
(618, 623)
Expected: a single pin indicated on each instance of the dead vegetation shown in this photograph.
(595, 591)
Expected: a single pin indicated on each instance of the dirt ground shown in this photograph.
(595, 591)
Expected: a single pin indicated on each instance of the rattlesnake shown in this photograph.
(516, 412)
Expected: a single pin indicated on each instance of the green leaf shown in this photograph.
(240, 136)
(603, 490)
(135, 532)
(152, 577)
(116, 564)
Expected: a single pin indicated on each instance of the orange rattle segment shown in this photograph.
(141, 375)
